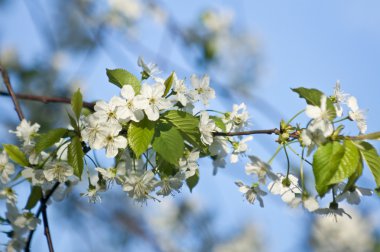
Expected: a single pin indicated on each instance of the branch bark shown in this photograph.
(43, 200)
(48, 99)
(7, 83)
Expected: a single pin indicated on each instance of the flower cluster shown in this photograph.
(156, 134)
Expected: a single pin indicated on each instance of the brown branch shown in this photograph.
(48, 99)
(43, 200)
(40, 210)
(46, 227)
(7, 83)
(250, 132)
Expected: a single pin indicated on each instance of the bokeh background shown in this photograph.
(254, 51)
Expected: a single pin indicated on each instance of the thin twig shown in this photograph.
(7, 83)
(48, 99)
(250, 132)
(43, 200)
(46, 227)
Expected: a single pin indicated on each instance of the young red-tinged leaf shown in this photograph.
(34, 197)
(77, 103)
(75, 156)
(16, 155)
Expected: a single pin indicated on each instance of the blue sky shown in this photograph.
(302, 44)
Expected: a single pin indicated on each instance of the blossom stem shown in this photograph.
(298, 155)
(287, 160)
(301, 170)
(295, 116)
(342, 119)
(279, 147)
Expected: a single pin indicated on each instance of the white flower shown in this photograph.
(188, 164)
(286, 187)
(149, 70)
(206, 127)
(181, 92)
(356, 234)
(16, 244)
(309, 203)
(93, 132)
(21, 222)
(37, 176)
(260, 168)
(58, 170)
(139, 185)
(333, 210)
(151, 100)
(202, 91)
(112, 141)
(357, 114)
(168, 184)
(111, 174)
(239, 148)
(339, 98)
(251, 193)
(26, 132)
(92, 194)
(352, 195)
(321, 116)
(8, 194)
(6, 168)
(129, 110)
(106, 112)
(237, 119)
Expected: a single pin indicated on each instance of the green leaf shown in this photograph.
(326, 161)
(73, 122)
(219, 123)
(187, 125)
(76, 103)
(34, 197)
(355, 176)
(168, 84)
(313, 97)
(372, 159)
(121, 77)
(140, 135)
(165, 168)
(49, 139)
(193, 181)
(75, 156)
(168, 142)
(16, 155)
(348, 164)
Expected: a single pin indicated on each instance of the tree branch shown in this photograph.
(40, 210)
(7, 83)
(250, 132)
(47, 99)
(43, 200)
